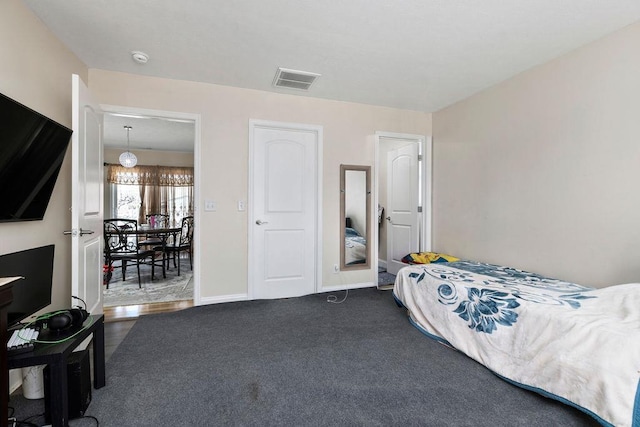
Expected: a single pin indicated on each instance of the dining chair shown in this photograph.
(121, 244)
(155, 221)
(183, 243)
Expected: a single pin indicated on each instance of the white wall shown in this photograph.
(35, 70)
(542, 171)
(348, 138)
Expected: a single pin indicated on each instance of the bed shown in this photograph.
(575, 344)
(355, 246)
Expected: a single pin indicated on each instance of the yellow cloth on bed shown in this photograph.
(428, 258)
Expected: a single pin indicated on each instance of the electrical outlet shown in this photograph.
(336, 268)
(210, 205)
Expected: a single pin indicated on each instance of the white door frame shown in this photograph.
(253, 123)
(134, 111)
(426, 148)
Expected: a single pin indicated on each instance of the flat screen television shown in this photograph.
(32, 293)
(32, 148)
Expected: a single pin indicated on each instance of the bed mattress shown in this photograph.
(576, 344)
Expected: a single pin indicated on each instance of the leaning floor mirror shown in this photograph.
(355, 222)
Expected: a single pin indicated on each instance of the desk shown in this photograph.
(55, 355)
(6, 296)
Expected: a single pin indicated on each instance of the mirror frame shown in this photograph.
(368, 236)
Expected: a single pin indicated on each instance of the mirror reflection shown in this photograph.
(355, 229)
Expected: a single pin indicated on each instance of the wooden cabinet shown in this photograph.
(6, 296)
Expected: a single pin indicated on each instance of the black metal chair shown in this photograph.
(155, 221)
(121, 244)
(184, 243)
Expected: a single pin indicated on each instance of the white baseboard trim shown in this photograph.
(382, 263)
(348, 286)
(245, 297)
(15, 379)
(223, 298)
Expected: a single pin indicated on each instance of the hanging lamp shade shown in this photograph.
(128, 159)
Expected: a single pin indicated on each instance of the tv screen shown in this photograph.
(32, 148)
(32, 293)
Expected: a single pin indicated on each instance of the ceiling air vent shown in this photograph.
(294, 79)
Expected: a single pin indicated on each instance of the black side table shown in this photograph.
(55, 355)
(6, 296)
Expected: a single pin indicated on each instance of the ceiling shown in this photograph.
(411, 54)
(148, 133)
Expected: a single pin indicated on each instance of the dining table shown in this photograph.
(162, 233)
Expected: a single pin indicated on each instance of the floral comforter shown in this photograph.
(355, 247)
(576, 344)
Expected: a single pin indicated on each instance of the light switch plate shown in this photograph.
(241, 205)
(210, 205)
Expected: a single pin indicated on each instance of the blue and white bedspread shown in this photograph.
(575, 344)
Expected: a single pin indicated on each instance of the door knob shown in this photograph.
(74, 232)
(260, 222)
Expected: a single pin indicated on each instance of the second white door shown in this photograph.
(402, 212)
(283, 212)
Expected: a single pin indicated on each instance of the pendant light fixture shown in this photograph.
(128, 159)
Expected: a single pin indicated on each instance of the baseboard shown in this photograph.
(245, 297)
(347, 286)
(15, 379)
(382, 263)
(222, 299)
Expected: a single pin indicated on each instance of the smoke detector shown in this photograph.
(139, 57)
(294, 79)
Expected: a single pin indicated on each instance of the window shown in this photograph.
(179, 203)
(126, 201)
(143, 190)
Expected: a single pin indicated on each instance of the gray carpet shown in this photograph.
(305, 362)
(385, 278)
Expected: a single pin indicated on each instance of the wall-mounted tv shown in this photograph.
(32, 293)
(32, 148)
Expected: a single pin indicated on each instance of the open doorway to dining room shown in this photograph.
(159, 191)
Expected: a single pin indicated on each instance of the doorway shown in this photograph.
(168, 141)
(403, 199)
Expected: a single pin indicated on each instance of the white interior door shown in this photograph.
(402, 211)
(283, 214)
(87, 207)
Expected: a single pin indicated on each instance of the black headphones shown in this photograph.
(63, 319)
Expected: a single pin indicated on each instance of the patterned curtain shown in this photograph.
(169, 176)
(158, 187)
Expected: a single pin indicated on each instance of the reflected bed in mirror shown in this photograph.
(355, 224)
